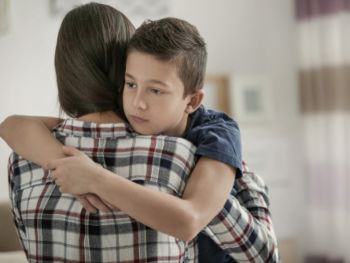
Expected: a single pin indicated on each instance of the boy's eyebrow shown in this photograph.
(155, 81)
(129, 75)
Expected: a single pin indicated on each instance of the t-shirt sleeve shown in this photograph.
(219, 140)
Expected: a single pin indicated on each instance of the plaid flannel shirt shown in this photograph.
(53, 226)
(243, 228)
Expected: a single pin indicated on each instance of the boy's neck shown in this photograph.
(181, 131)
(188, 124)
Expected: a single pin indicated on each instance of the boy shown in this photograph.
(163, 93)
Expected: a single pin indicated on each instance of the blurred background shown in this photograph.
(280, 67)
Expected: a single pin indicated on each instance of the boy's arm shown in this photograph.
(205, 194)
(243, 228)
(31, 138)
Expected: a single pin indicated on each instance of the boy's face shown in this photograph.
(153, 96)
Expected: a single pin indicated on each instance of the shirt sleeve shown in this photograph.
(14, 206)
(219, 140)
(243, 228)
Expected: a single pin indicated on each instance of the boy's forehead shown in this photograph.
(150, 63)
(140, 55)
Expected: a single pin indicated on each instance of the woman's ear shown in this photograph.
(196, 99)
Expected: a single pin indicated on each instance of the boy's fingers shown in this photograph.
(97, 202)
(110, 206)
(85, 203)
(51, 165)
(54, 176)
(70, 151)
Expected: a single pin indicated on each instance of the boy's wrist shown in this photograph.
(100, 175)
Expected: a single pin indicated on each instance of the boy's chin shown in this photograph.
(145, 132)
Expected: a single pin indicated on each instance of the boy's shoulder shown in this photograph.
(206, 118)
(207, 125)
(216, 136)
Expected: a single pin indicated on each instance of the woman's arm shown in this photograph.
(205, 194)
(31, 137)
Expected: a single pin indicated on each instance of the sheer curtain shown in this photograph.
(324, 80)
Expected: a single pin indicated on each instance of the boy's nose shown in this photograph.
(139, 102)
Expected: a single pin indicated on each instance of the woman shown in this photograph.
(90, 65)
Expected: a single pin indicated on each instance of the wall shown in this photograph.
(27, 80)
(244, 38)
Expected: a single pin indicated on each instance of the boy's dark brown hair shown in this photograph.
(177, 41)
(90, 59)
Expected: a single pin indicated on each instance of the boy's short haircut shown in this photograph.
(176, 41)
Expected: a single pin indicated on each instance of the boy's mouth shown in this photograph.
(137, 119)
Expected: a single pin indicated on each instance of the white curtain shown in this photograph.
(324, 74)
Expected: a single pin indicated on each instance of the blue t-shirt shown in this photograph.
(216, 136)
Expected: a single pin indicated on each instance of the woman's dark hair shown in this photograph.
(90, 59)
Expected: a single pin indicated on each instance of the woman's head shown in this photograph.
(90, 59)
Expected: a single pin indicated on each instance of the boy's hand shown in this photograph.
(75, 174)
(92, 203)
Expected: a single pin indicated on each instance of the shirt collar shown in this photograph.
(80, 128)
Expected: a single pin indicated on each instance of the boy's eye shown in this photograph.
(156, 91)
(130, 85)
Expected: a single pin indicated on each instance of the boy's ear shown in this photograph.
(195, 101)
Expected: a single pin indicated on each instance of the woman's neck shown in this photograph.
(102, 117)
